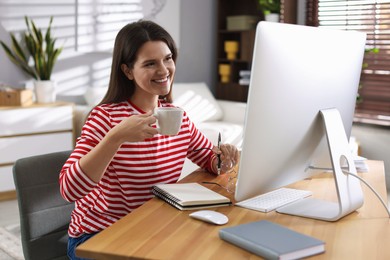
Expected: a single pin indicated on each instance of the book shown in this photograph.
(189, 196)
(360, 164)
(272, 241)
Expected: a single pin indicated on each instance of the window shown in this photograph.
(87, 30)
(13, 12)
(82, 25)
(373, 18)
(89, 25)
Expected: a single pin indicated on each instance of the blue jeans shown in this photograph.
(73, 242)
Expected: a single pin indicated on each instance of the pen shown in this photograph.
(219, 155)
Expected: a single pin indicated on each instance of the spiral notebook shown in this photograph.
(189, 196)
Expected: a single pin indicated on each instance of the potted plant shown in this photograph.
(271, 9)
(36, 55)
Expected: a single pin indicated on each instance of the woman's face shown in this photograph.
(153, 70)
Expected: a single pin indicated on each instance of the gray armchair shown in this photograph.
(44, 214)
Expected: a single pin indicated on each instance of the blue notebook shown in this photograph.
(272, 241)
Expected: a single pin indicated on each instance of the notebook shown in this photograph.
(189, 196)
(272, 241)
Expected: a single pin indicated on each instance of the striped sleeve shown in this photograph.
(74, 183)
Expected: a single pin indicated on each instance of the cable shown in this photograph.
(372, 189)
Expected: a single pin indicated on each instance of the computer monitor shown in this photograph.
(302, 93)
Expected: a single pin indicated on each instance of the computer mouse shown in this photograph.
(210, 216)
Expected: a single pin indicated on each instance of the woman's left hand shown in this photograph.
(229, 157)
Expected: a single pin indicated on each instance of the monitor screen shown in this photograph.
(296, 72)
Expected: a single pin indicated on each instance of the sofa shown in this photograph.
(210, 115)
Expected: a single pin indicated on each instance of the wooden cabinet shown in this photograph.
(32, 130)
(243, 10)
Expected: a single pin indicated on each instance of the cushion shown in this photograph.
(197, 100)
(230, 133)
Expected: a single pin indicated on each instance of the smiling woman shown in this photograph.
(121, 154)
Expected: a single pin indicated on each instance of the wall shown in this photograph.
(375, 144)
(196, 60)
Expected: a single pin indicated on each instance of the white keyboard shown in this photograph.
(274, 199)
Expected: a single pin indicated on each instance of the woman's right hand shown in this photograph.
(135, 128)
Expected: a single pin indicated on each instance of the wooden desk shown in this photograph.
(158, 231)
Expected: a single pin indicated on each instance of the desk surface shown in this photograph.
(157, 230)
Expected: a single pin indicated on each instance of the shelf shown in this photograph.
(224, 31)
(31, 130)
(231, 61)
(231, 90)
(245, 38)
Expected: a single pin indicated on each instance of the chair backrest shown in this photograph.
(44, 214)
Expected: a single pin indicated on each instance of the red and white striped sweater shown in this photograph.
(135, 168)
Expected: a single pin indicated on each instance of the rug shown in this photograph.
(10, 244)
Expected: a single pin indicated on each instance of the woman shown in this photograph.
(120, 155)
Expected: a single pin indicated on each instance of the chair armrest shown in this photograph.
(233, 111)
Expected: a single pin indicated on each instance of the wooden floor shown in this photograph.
(9, 212)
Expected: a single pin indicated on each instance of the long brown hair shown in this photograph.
(127, 43)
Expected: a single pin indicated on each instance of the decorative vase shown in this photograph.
(224, 71)
(45, 91)
(272, 17)
(231, 49)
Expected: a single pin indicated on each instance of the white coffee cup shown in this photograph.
(169, 120)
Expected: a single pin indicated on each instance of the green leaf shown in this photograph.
(8, 52)
(29, 44)
(36, 47)
(17, 49)
(14, 58)
(270, 6)
(48, 37)
(37, 34)
(27, 21)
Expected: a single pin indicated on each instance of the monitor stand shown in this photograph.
(349, 191)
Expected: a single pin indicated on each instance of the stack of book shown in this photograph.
(360, 163)
(245, 76)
